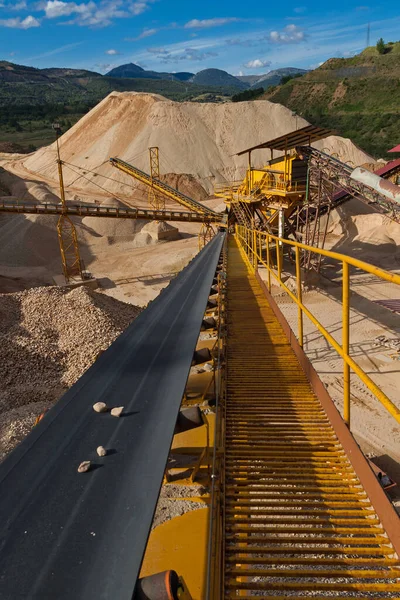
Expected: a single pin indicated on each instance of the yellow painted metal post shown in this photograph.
(299, 297)
(346, 341)
(255, 249)
(278, 260)
(268, 263)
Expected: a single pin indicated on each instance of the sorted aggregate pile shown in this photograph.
(49, 337)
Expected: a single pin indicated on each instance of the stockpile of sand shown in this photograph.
(49, 338)
(196, 139)
(355, 229)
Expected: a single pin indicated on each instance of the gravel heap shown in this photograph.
(49, 337)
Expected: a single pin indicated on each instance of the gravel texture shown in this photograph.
(49, 337)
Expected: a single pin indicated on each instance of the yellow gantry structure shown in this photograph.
(275, 190)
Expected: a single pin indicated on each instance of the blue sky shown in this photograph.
(171, 35)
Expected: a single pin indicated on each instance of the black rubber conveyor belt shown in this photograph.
(66, 535)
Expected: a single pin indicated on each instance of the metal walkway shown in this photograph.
(298, 523)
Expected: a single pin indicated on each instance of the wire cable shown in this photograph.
(98, 185)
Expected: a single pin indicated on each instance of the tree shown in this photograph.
(380, 46)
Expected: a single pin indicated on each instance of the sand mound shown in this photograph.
(355, 229)
(29, 240)
(196, 139)
(49, 337)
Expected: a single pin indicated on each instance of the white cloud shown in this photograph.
(257, 63)
(58, 50)
(18, 5)
(205, 23)
(112, 52)
(58, 8)
(192, 54)
(291, 34)
(91, 14)
(19, 23)
(145, 33)
(138, 8)
(104, 67)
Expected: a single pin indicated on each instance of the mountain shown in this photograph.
(272, 78)
(358, 96)
(207, 77)
(134, 71)
(250, 79)
(10, 72)
(216, 77)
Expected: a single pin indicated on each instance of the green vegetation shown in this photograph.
(287, 78)
(248, 95)
(359, 97)
(32, 99)
(380, 46)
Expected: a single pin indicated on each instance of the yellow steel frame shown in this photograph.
(156, 201)
(253, 241)
(67, 238)
(206, 233)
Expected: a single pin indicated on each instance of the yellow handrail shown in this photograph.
(251, 242)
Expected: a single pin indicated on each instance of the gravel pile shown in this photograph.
(48, 338)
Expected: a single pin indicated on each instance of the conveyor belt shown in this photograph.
(298, 523)
(164, 188)
(71, 536)
(108, 212)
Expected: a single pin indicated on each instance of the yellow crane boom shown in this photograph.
(166, 190)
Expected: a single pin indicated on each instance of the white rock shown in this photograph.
(100, 407)
(84, 466)
(101, 451)
(117, 411)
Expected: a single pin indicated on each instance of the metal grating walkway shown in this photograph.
(298, 523)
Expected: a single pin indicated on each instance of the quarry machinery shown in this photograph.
(159, 189)
(67, 238)
(294, 508)
(290, 194)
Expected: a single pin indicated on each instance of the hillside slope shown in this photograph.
(218, 78)
(272, 78)
(358, 96)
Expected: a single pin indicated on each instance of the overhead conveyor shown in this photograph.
(92, 210)
(162, 188)
(66, 535)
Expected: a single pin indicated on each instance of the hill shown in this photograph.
(32, 99)
(131, 70)
(358, 96)
(218, 78)
(272, 78)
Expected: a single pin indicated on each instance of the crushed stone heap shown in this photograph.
(198, 139)
(49, 337)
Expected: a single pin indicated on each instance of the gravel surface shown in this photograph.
(49, 337)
